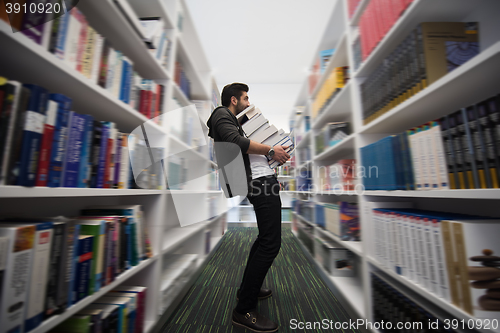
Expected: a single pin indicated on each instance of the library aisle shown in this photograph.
(299, 293)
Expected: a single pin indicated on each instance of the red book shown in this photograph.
(142, 102)
(153, 104)
(149, 101)
(82, 40)
(362, 35)
(46, 145)
(391, 13)
(378, 21)
(385, 17)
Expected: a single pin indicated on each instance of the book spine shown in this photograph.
(71, 272)
(72, 38)
(38, 276)
(109, 156)
(488, 133)
(110, 76)
(87, 135)
(58, 151)
(56, 265)
(17, 279)
(83, 267)
(56, 23)
(124, 175)
(94, 154)
(483, 175)
(494, 119)
(46, 145)
(117, 168)
(9, 96)
(103, 153)
(74, 149)
(82, 43)
(468, 149)
(98, 232)
(88, 54)
(62, 35)
(96, 57)
(32, 135)
(104, 64)
(32, 26)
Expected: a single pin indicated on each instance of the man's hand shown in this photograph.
(280, 155)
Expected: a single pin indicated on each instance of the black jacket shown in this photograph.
(224, 127)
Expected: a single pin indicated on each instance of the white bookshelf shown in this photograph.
(470, 83)
(23, 60)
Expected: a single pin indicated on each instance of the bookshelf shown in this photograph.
(470, 83)
(165, 209)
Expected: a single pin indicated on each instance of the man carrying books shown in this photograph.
(262, 191)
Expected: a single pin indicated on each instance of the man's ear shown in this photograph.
(234, 100)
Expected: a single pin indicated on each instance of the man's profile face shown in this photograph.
(243, 102)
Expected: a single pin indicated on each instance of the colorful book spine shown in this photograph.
(32, 135)
(72, 159)
(46, 145)
(97, 229)
(84, 260)
(106, 128)
(84, 172)
(60, 140)
(73, 237)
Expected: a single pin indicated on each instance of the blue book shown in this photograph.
(73, 236)
(106, 125)
(83, 264)
(60, 139)
(84, 172)
(71, 165)
(124, 80)
(32, 135)
(61, 35)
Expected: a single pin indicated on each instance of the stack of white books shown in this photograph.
(258, 128)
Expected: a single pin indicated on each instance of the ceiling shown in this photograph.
(268, 44)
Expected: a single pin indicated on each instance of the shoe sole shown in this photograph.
(271, 294)
(252, 329)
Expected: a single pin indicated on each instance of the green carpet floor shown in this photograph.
(298, 291)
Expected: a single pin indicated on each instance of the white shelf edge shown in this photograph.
(305, 138)
(355, 247)
(304, 220)
(35, 192)
(461, 71)
(184, 233)
(333, 149)
(192, 192)
(331, 106)
(490, 193)
(57, 319)
(354, 20)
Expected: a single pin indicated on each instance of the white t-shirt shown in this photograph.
(259, 166)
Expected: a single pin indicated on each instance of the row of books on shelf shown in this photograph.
(44, 143)
(391, 308)
(460, 151)
(341, 218)
(336, 80)
(340, 176)
(430, 51)
(123, 309)
(70, 38)
(60, 260)
(377, 19)
(331, 134)
(450, 255)
(284, 170)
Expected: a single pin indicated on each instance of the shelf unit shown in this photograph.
(173, 226)
(470, 83)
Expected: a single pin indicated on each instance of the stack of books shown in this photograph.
(258, 128)
(330, 135)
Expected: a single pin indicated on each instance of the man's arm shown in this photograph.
(258, 148)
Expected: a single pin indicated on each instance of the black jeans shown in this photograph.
(265, 198)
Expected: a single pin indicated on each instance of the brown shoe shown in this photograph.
(263, 293)
(254, 321)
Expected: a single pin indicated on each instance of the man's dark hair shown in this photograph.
(230, 90)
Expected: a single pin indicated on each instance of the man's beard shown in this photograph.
(240, 107)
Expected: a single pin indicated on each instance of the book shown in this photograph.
(32, 135)
(96, 318)
(86, 151)
(84, 258)
(97, 229)
(10, 93)
(46, 145)
(19, 254)
(110, 316)
(124, 307)
(72, 159)
(78, 323)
